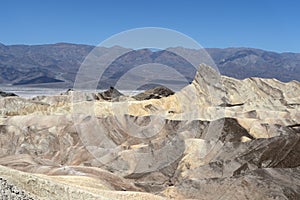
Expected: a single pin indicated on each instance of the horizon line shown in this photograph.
(92, 45)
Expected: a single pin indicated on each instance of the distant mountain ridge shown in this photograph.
(59, 63)
(242, 63)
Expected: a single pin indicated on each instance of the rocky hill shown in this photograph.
(217, 138)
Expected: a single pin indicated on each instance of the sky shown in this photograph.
(265, 24)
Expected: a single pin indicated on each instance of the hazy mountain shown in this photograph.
(246, 62)
(40, 63)
(59, 63)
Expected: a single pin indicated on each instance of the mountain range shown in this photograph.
(58, 63)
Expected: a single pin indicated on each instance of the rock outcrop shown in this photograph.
(155, 93)
(109, 95)
(7, 94)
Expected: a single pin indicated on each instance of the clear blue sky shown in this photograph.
(266, 24)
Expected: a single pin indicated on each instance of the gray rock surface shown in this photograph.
(10, 192)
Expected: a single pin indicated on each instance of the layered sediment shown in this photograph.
(217, 138)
